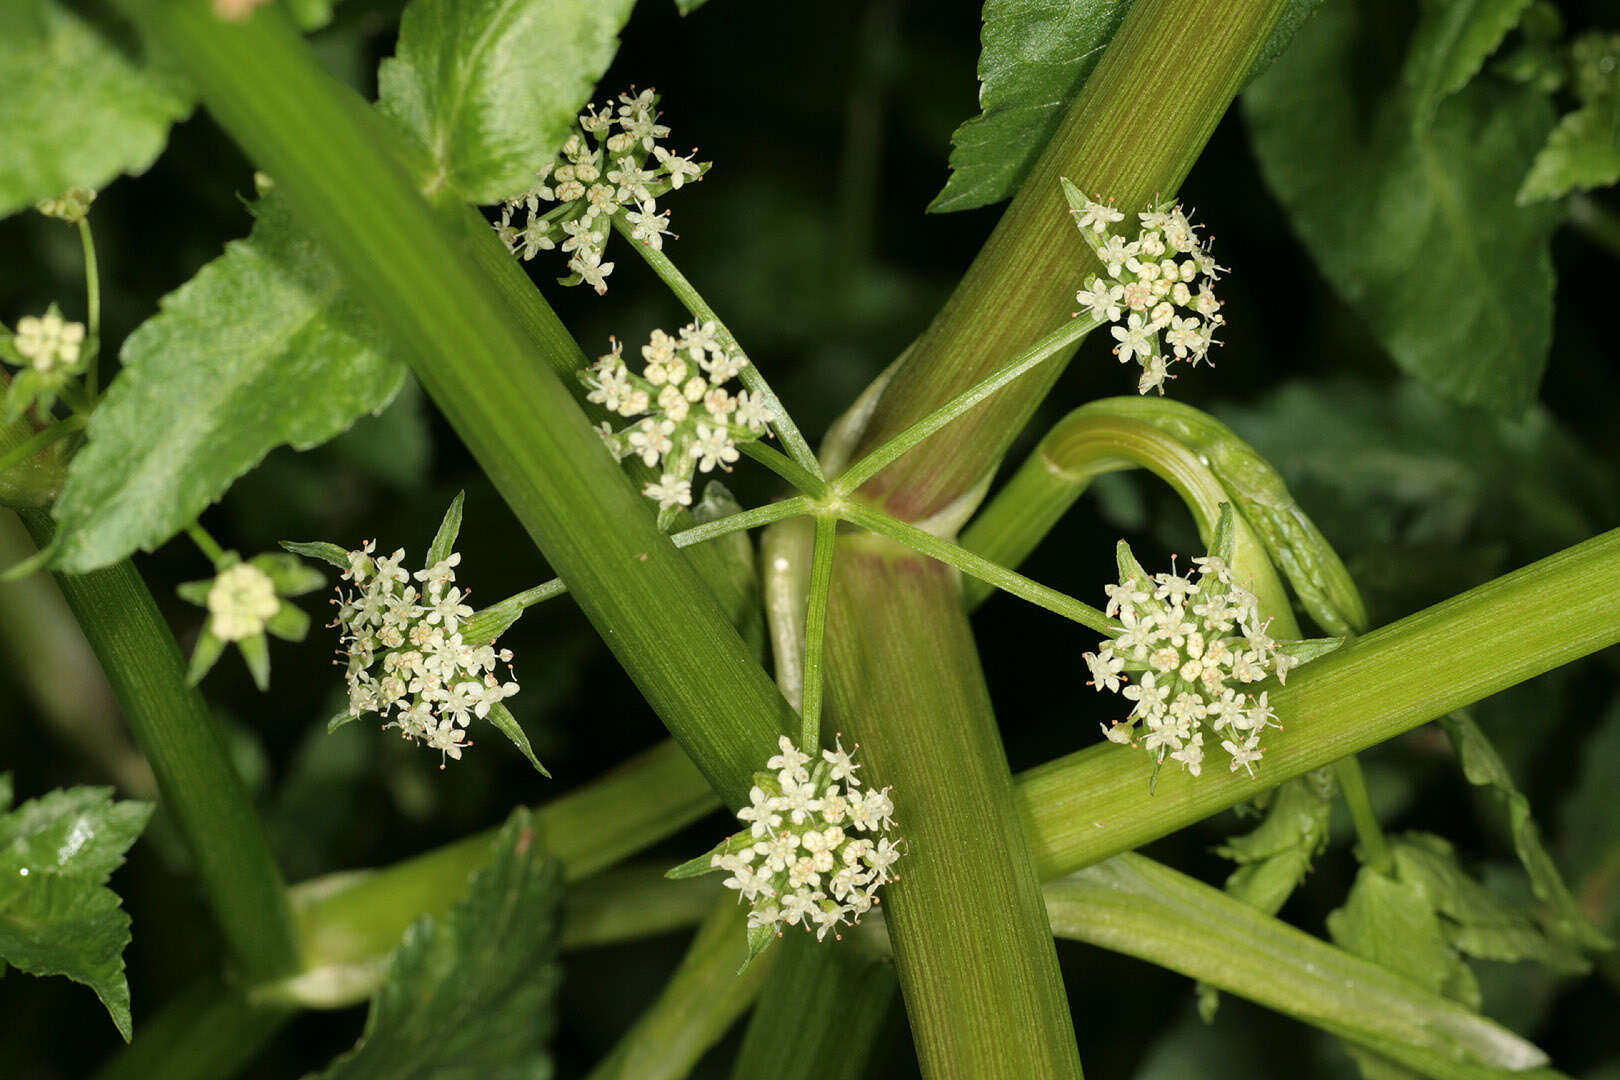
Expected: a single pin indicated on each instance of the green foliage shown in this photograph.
(1452, 41)
(1417, 231)
(1037, 56)
(1484, 767)
(56, 915)
(264, 347)
(77, 110)
(1275, 856)
(1591, 824)
(471, 996)
(489, 90)
(1425, 499)
(1583, 151)
(1425, 916)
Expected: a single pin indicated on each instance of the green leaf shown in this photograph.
(1474, 921)
(1452, 41)
(1419, 234)
(1036, 57)
(1582, 153)
(489, 89)
(264, 347)
(330, 554)
(1484, 768)
(1590, 819)
(77, 110)
(1393, 923)
(507, 724)
(444, 541)
(686, 7)
(472, 995)
(56, 916)
(1275, 857)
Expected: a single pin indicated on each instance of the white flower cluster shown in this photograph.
(1193, 641)
(685, 418)
(802, 860)
(612, 165)
(1150, 286)
(71, 206)
(428, 680)
(241, 602)
(50, 343)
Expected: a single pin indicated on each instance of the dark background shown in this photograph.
(829, 125)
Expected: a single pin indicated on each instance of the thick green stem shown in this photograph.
(972, 945)
(488, 371)
(199, 786)
(819, 1015)
(1132, 133)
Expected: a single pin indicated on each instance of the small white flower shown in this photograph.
(242, 600)
(1098, 216)
(50, 343)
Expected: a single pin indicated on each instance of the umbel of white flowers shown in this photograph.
(684, 420)
(816, 848)
(614, 164)
(246, 601)
(1149, 292)
(1192, 643)
(412, 654)
(51, 351)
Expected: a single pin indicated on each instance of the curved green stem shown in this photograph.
(806, 481)
(205, 543)
(750, 375)
(1374, 848)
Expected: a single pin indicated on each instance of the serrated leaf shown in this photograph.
(263, 348)
(1275, 856)
(1582, 153)
(77, 110)
(471, 996)
(1393, 924)
(1036, 56)
(1484, 767)
(1419, 234)
(489, 89)
(507, 725)
(1451, 43)
(56, 915)
(1475, 922)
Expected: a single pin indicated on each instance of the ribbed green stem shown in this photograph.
(1095, 803)
(1133, 132)
(972, 947)
(633, 901)
(819, 1016)
(815, 631)
(199, 786)
(696, 1007)
(491, 375)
